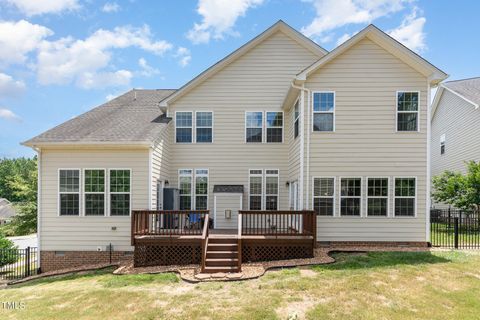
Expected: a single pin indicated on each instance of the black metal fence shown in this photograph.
(18, 263)
(453, 228)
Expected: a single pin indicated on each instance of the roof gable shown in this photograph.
(279, 26)
(467, 90)
(392, 46)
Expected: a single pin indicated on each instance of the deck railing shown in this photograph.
(168, 222)
(278, 223)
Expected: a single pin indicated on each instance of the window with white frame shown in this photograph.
(377, 197)
(274, 124)
(271, 189)
(204, 125)
(185, 180)
(296, 120)
(120, 192)
(324, 111)
(254, 127)
(405, 197)
(69, 192)
(201, 189)
(183, 127)
(350, 196)
(324, 196)
(442, 144)
(407, 111)
(255, 189)
(94, 189)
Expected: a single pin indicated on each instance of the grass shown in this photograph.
(442, 235)
(377, 285)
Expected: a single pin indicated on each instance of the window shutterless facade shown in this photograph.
(183, 127)
(94, 192)
(442, 144)
(255, 189)
(407, 111)
(69, 192)
(274, 126)
(324, 111)
(351, 196)
(120, 192)
(296, 120)
(324, 196)
(254, 127)
(405, 197)
(204, 126)
(185, 181)
(271, 189)
(201, 189)
(377, 197)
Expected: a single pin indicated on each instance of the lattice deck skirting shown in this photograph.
(267, 250)
(167, 254)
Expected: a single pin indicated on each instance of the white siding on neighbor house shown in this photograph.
(257, 81)
(161, 162)
(226, 201)
(365, 143)
(77, 233)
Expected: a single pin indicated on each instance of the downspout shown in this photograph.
(428, 182)
(39, 203)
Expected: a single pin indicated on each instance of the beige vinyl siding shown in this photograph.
(365, 142)
(161, 161)
(71, 233)
(294, 147)
(257, 81)
(226, 201)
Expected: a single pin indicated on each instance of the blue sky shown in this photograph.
(60, 58)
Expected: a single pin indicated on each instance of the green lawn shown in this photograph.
(437, 285)
(441, 235)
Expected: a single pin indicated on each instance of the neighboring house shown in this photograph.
(7, 212)
(279, 124)
(455, 125)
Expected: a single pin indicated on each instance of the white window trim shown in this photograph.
(277, 175)
(266, 127)
(262, 127)
(262, 204)
(192, 185)
(376, 197)
(104, 193)
(80, 186)
(341, 197)
(195, 125)
(443, 140)
(195, 186)
(325, 112)
(182, 127)
(399, 197)
(334, 214)
(110, 193)
(397, 112)
(296, 118)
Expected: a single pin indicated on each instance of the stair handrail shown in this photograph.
(239, 242)
(205, 241)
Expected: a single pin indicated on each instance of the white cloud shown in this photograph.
(111, 7)
(9, 115)
(183, 55)
(111, 96)
(19, 38)
(219, 17)
(410, 32)
(331, 14)
(147, 70)
(37, 7)
(10, 87)
(80, 61)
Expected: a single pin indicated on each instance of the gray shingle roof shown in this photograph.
(467, 88)
(132, 117)
(227, 188)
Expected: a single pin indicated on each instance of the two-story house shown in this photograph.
(280, 124)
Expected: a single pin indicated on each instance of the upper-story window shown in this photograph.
(204, 124)
(324, 111)
(296, 120)
(183, 127)
(442, 144)
(274, 127)
(254, 126)
(407, 111)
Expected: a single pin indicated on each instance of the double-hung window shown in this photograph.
(350, 196)
(69, 189)
(405, 197)
(274, 126)
(183, 127)
(324, 111)
(377, 197)
(94, 188)
(324, 196)
(271, 189)
(204, 123)
(254, 126)
(201, 189)
(442, 144)
(296, 120)
(120, 187)
(407, 111)
(185, 181)
(255, 190)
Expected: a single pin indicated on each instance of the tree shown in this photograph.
(7, 256)
(459, 190)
